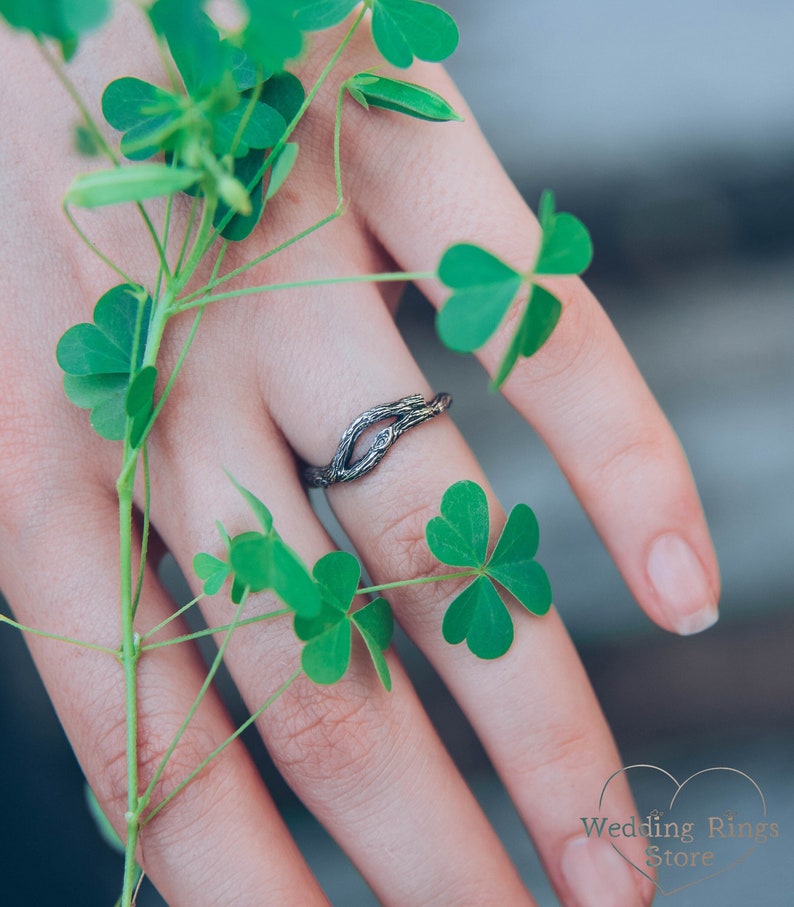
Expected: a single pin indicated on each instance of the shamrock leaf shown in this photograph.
(315, 15)
(483, 287)
(328, 635)
(147, 115)
(459, 538)
(63, 20)
(283, 94)
(271, 35)
(212, 570)
(404, 29)
(100, 359)
(403, 97)
(259, 561)
(566, 247)
(540, 317)
(194, 42)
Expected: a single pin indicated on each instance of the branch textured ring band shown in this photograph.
(406, 413)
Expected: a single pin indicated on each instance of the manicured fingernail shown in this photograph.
(681, 584)
(597, 876)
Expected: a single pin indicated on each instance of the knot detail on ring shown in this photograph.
(407, 413)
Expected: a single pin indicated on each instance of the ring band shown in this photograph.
(407, 413)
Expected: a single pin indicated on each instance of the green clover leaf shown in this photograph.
(271, 35)
(328, 635)
(212, 571)
(102, 363)
(566, 247)
(63, 20)
(404, 29)
(484, 287)
(258, 561)
(459, 537)
(193, 40)
(413, 100)
(316, 15)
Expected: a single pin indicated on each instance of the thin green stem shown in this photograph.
(317, 282)
(171, 617)
(57, 637)
(218, 750)
(191, 221)
(210, 285)
(74, 94)
(203, 241)
(146, 796)
(299, 115)
(337, 143)
(102, 144)
(129, 655)
(248, 113)
(147, 500)
(90, 245)
(418, 580)
(198, 634)
(337, 212)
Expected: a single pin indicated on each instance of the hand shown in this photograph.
(297, 367)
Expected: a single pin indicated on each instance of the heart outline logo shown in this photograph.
(679, 787)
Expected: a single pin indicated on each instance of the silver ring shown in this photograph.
(406, 413)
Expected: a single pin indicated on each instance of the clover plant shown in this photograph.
(221, 130)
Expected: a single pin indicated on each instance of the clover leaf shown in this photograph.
(413, 100)
(566, 247)
(271, 35)
(103, 362)
(484, 287)
(328, 636)
(146, 114)
(459, 538)
(404, 29)
(194, 42)
(258, 561)
(315, 15)
(63, 20)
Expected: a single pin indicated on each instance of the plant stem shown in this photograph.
(57, 637)
(210, 285)
(418, 580)
(198, 634)
(298, 116)
(317, 282)
(147, 499)
(146, 796)
(298, 236)
(218, 750)
(169, 619)
(129, 654)
(90, 245)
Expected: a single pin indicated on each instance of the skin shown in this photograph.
(280, 376)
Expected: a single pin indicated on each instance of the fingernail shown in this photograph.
(684, 593)
(597, 876)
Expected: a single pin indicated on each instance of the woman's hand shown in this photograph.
(278, 377)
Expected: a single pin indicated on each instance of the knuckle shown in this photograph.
(108, 768)
(563, 747)
(398, 542)
(630, 455)
(329, 736)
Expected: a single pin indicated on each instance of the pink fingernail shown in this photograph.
(597, 876)
(681, 585)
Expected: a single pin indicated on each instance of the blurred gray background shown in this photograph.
(669, 129)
